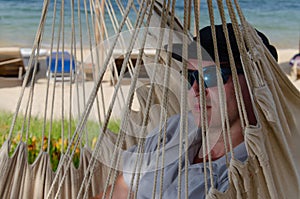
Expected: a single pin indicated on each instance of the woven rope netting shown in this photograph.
(124, 71)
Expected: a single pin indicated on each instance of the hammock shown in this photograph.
(272, 167)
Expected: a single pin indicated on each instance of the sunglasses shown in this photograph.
(210, 76)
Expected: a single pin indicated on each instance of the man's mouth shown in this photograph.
(197, 107)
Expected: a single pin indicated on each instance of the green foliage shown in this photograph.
(36, 143)
(114, 126)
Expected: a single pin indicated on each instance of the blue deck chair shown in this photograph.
(69, 65)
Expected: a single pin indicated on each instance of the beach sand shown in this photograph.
(10, 96)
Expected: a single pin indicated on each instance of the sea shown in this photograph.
(278, 19)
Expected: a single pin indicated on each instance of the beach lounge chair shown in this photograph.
(61, 66)
(12, 69)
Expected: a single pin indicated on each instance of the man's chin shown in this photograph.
(197, 119)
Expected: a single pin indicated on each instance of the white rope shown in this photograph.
(48, 79)
(213, 33)
(97, 99)
(121, 8)
(55, 70)
(92, 163)
(100, 29)
(97, 55)
(202, 102)
(140, 146)
(81, 57)
(63, 76)
(115, 160)
(222, 95)
(183, 108)
(23, 125)
(114, 21)
(165, 95)
(245, 58)
(36, 43)
(77, 136)
(159, 44)
(113, 68)
(111, 15)
(93, 67)
(31, 94)
(235, 80)
(85, 114)
(115, 25)
(241, 47)
(73, 45)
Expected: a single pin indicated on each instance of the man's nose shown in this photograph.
(196, 88)
(206, 91)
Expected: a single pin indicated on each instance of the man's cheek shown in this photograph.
(190, 101)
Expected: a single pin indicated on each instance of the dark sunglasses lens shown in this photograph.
(193, 76)
(226, 72)
(210, 76)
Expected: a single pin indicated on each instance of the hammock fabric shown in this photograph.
(273, 158)
(273, 166)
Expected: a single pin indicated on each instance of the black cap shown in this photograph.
(207, 44)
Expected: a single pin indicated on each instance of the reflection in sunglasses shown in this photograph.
(210, 76)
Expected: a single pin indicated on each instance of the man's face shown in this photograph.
(212, 96)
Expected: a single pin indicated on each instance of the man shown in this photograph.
(196, 167)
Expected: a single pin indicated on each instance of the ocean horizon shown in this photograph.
(278, 19)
